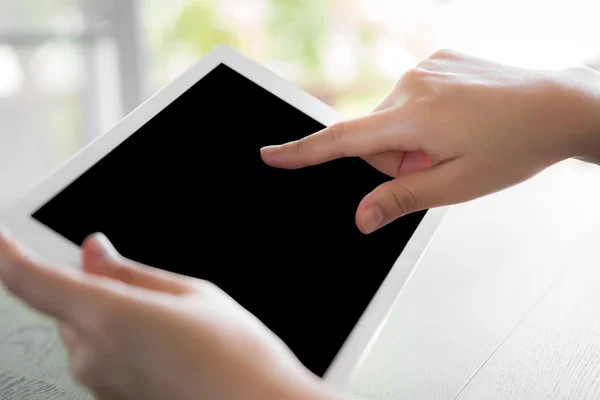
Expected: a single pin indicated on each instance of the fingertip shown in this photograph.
(358, 217)
(273, 156)
(268, 151)
(370, 219)
(97, 248)
(361, 227)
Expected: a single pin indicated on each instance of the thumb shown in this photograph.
(99, 257)
(433, 187)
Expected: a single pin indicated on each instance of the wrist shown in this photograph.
(580, 101)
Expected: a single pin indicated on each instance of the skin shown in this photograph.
(135, 332)
(455, 128)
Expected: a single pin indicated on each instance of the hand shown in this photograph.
(134, 332)
(455, 128)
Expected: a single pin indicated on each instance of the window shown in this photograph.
(70, 69)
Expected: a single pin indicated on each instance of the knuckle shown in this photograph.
(424, 65)
(301, 150)
(433, 65)
(336, 131)
(405, 200)
(416, 74)
(443, 54)
(299, 146)
(416, 80)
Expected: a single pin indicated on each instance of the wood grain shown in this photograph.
(33, 363)
(555, 352)
(489, 263)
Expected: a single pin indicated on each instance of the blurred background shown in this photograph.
(70, 69)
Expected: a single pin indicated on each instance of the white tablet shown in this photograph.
(179, 184)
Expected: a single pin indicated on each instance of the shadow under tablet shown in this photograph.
(189, 193)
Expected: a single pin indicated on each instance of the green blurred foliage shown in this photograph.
(297, 29)
(199, 26)
(367, 34)
(295, 33)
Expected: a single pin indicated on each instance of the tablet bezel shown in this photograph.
(56, 248)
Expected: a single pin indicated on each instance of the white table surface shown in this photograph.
(467, 326)
(503, 305)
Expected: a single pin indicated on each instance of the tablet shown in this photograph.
(179, 184)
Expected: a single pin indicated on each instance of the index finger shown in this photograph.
(372, 134)
(62, 293)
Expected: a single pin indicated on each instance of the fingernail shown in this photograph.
(270, 150)
(105, 249)
(415, 161)
(372, 219)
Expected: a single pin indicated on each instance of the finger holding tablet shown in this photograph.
(62, 293)
(102, 259)
(173, 195)
(135, 332)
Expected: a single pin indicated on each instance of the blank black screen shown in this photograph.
(189, 193)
